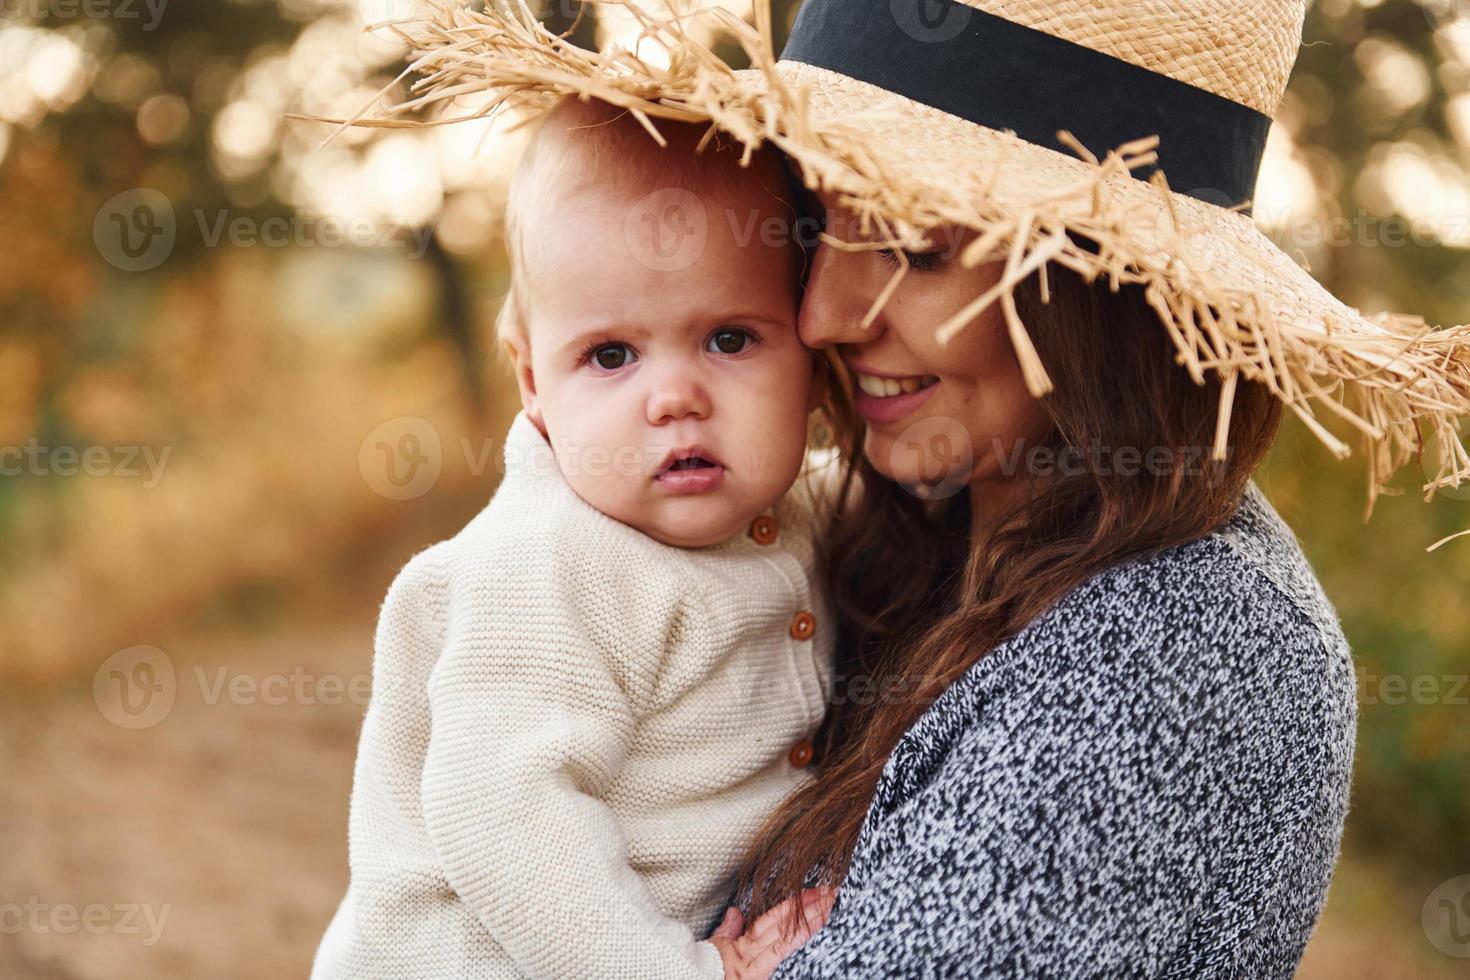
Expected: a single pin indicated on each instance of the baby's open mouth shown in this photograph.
(688, 457)
(690, 469)
(692, 463)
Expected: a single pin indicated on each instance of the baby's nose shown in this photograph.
(676, 395)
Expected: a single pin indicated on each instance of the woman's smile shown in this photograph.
(882, 398)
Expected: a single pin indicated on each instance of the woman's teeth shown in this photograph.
(878, 387)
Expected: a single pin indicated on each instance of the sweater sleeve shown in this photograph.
(1135, 777)
(529, 728)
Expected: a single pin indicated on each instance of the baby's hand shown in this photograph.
(755, 955)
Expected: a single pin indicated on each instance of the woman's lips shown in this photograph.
(698, 479)
(890, 407)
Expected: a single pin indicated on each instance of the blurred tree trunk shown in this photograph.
(456, 317)
(457, 320)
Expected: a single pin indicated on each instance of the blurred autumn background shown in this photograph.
(241, 382)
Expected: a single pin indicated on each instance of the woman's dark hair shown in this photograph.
(945, 597)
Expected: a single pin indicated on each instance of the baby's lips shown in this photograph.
(687, 451)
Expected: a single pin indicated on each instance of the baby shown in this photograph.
(587, 701)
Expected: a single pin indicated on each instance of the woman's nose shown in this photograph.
(838, 296)
(677, 393)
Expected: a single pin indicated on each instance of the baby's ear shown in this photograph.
(511, 351)
(517, 349)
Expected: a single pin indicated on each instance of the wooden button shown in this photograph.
(803, 626)
(763, 529)
(801, 754)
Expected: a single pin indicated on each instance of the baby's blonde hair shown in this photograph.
(581, 143)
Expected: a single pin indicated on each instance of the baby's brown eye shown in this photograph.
(610, 357)
(731, 341)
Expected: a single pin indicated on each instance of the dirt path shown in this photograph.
(224, 825)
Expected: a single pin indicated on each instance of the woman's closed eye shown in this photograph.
(918, 261)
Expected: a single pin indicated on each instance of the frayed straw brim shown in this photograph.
(1231, 300)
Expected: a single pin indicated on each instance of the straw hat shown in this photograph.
(1139, 124)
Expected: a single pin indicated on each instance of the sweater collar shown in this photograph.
(528, 454)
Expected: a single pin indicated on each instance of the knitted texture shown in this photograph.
(1150, 780)
(574, 734)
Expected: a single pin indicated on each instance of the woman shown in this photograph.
(1124, 729)
(1094, 716)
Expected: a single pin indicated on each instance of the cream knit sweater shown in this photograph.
(574, 734)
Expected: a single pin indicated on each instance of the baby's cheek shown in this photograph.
(785, 381)
(604, 490)
(774, 452)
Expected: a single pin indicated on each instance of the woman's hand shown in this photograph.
(755, 954)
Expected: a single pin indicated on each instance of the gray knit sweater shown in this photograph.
(1150, 780)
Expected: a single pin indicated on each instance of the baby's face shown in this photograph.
(646, 346)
